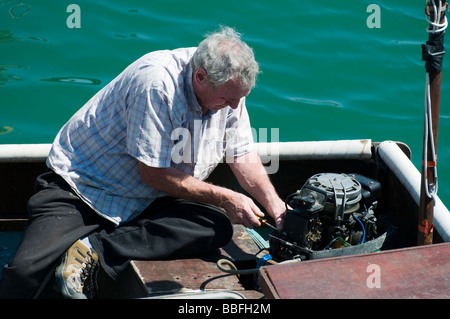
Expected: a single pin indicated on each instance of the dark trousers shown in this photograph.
(168, 228)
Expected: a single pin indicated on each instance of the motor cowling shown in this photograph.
(330, 211)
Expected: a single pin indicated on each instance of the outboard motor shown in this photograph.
(331, 211)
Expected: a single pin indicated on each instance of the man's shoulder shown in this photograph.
(161, 67)
(168, 58)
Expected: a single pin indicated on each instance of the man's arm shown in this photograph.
(251, 175)
(240, 208)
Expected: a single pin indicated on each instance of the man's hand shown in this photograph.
(278, 211)
(242, 210)
(251, 175)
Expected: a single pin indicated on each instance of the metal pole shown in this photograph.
(432, 53)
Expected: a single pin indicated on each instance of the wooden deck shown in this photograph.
(417, 272)
(169, 277)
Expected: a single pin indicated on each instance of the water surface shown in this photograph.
(326, 74)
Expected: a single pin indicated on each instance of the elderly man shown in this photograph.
(127, 171)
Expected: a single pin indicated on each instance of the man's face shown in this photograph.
(209, 98)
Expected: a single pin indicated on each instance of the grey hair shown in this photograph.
(224, 56)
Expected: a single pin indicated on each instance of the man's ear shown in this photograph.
(201, 76)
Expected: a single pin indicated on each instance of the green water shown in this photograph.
(326, 74)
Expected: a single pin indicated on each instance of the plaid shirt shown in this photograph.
(149, 113)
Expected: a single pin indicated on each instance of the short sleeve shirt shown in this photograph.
(148, 113)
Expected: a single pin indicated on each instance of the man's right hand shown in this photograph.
(240, 208)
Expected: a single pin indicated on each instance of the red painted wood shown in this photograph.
(417, 272)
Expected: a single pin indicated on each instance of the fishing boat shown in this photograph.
(382, 189)
(361, 220)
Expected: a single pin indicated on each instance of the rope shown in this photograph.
(431, 190)
(437, 27)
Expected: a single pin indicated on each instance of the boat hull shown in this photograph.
(289, 165)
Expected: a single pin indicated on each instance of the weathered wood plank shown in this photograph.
(416, 272)
(175, 276)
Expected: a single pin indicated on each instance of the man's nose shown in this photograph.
(233, 105)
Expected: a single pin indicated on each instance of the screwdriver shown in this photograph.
(265, 222)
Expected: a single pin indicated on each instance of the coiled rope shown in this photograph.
(437, 27)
